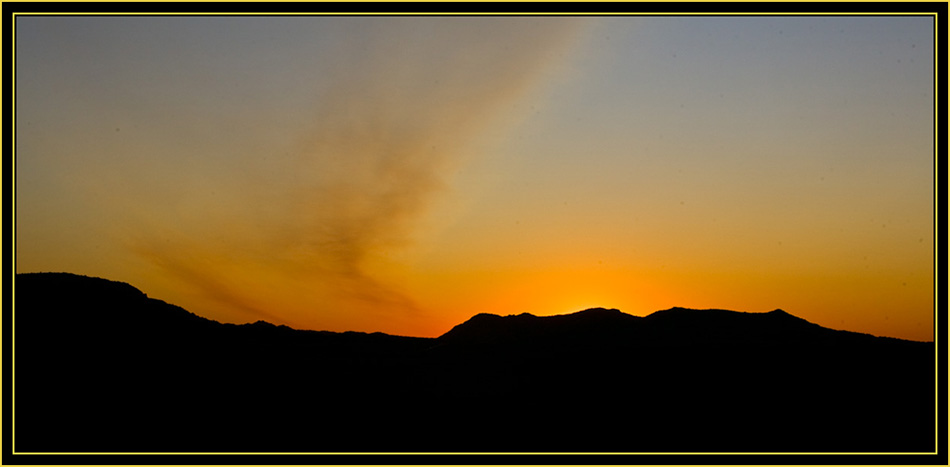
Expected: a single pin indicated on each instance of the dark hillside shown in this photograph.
(102, 367)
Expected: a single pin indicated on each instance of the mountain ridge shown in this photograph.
(100, 366)
(123, 290)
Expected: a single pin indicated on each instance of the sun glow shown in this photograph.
(403, 174)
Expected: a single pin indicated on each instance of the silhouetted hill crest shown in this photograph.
(558, 376)
(68, 300)
(110, 304)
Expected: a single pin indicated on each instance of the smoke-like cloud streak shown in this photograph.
(396, 106)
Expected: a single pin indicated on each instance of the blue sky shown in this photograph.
(378, 173)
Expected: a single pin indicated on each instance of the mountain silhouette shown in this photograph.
(102, 367)
(676, 326)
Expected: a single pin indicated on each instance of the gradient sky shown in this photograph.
(401, 174)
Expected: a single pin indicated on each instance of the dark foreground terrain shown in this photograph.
(101, 367)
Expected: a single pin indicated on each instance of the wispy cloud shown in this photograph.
(396, 107)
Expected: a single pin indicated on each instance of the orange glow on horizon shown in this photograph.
(401, 175)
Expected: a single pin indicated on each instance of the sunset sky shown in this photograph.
(401, 174)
